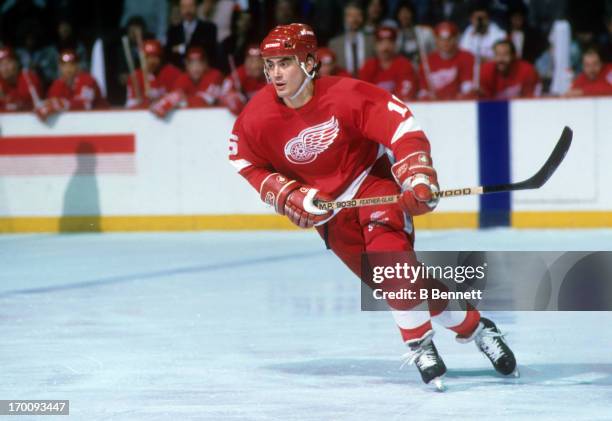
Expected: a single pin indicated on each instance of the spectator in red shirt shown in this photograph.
(160, 78)
(19, 90)
(199, 86)
(329, 66)
(240, 86)
(74, 90)
(596, 76)
(448, 72)
(507, 76)
(388, 69)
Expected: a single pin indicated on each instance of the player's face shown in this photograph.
(195, 68)
(446, 45)
(153, 63)
(285, 74)
(253, 66)
(385, 49)
(8, 68)
(503, 57)
(591, 65)
(68, 70)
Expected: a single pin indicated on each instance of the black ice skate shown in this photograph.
(490, 341)
(424, 355)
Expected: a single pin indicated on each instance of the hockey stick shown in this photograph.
(130, 62)
(534, 182)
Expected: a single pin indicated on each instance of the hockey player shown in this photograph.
(16, 87)
(302, 139)
(243, 83)
(450, 71)
(389, 70)
(160, 77)
(595, 79)
(329, 65)
(199, 86)
(507, 76)
(74, 90)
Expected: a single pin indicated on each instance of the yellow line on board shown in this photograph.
(142, 223)
(196, 223)
(579, 219)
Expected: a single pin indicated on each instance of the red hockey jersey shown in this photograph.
(159, 84)
(602, 85)
(203, 93)
(17, 97)
(521, 82)
(330, 143)
(451, 78)
(83, 94)
(399, 79)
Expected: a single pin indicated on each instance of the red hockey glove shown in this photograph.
(290, 198)
(166, 104)
(51, 106)
(419, 182)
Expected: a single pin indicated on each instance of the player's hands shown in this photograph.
(419, 182)
(166, 104)
(51, 106)
(290, 198)
(301, 210)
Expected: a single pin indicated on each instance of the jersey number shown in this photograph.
(398, 106)
(233, 145)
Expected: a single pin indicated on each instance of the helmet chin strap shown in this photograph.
(309, 77)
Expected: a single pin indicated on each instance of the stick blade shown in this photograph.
(544, 173)
(554, 160)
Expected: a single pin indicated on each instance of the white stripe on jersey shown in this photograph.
(407, 126)
(240, 164)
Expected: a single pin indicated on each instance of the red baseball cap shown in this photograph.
(195, 53)
(326, 55)
(6, 52)
(253, 50)
(152, 47)
(446, 30)
(385, 32)
(67, 56)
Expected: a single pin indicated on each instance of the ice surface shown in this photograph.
(266, 326)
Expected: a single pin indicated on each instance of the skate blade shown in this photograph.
(515, 374)
(438, 384)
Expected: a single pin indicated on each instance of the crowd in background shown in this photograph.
(58, 55)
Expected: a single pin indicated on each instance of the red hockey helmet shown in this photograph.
(67, 56)
(297, 40)
(152, 47)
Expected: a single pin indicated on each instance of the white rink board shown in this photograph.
(535, 129)
(182, 168)
(182, 164)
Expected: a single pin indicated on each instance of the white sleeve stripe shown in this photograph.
(407, 126)
(240, 164)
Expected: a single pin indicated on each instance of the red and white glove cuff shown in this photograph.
(416, 162)
(275, 189)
